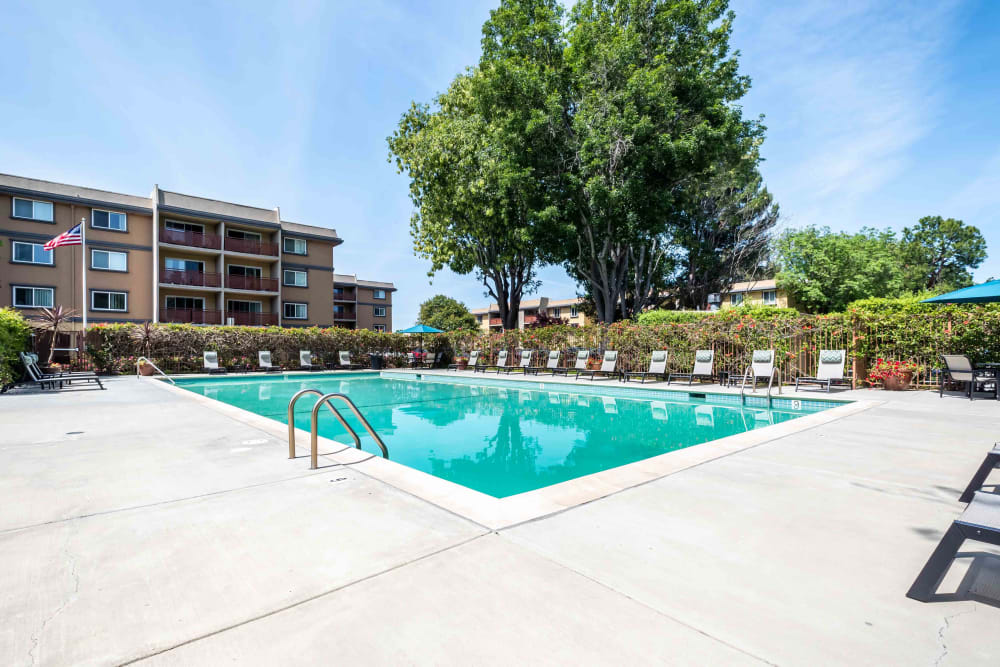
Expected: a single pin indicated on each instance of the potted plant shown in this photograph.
(895, 375)
(463, 361)
(145, 368)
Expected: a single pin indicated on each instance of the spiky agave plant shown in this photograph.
(145, 335)
(51, 320)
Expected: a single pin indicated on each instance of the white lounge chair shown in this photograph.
(657, 368)
(582, 356)
(761, 368)
(345, 361)
(500, 364)
(551, 365)
(305, 361)
(704, 361)
(264, 362)
(830, 370)
(210, 362)
(522, 366)
(608, 367)
(473, 361)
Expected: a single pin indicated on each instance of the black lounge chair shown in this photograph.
(704, 361)
(582, 356)
(608, 368)
(552, 365)
(657, 368)
(980, 522)
(991, 461)
(958, 368)
(473, 361)
(210, 362)
(830, 370)
(56, 380)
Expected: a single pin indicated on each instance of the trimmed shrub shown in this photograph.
(14, 337)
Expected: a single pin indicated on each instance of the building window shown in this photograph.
(177, 226)
(770, 297)
(111, 301)
(235, 306)
(108, 220)
(736, 299)
(107, 260)
(295, 246)
(573, 312)
(185, 303)
(378, 327)
(295, 278)
(30, 209)
(296, 311)
(248, 271)
(33, 297)
(556, 312)
(30, 253)
(378, 311)
(378, 294)
(174, 264)
(240, 234)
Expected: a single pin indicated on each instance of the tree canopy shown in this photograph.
(447, 314)
(940, 252)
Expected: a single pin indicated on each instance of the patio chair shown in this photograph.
(608, 368)
(264, 362)
(500, 364)
(305, 361)
(582, 356)
(30, 361)
(522, 366)
(210, 362)
(657, 368)
(980, 522)
(762, 367)
(704, 361)
(433, 362)
(551, 365)
(958, 368)
(473, 361)
(991, 461)
(830, 370)
(411, 360)
(344, 359)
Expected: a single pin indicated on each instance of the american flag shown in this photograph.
(72, 237)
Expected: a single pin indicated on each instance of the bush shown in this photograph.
(14, 336)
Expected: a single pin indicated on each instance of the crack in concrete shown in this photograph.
(36, 638)
(944, 627)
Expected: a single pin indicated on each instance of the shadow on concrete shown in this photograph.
(981, 582)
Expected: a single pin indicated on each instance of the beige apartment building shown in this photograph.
(362, 304)
(569, 310)
(169, 257)
(756, 292)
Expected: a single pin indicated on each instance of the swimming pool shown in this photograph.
(505, 437)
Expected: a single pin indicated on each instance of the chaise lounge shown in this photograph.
(305, 361)
(991, 461)
(582, 356)
(264, 362)
(830, 370)
(657, 368)
(210, 363)
(704, 361)
(551, 365)
(473, 362)
(608, 368)
(958, 369)
(344, 358)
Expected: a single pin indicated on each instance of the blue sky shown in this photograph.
(879, 112)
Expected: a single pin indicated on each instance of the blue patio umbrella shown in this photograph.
(420, 330)
(984, 293)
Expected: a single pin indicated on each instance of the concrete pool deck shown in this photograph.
(139, 525)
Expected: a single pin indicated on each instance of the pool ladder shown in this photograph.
(775, 372)
(325, 399)
(155, 367)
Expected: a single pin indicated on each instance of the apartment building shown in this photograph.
(756, 292)
(362, 304)
(569, 310)
(169, 257)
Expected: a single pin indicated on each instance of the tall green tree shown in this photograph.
(651, 112)
(824, 271)
(443, 312)
(480, 158)
(941, 252)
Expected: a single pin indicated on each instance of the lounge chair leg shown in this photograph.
(937, 565)
(976, 483)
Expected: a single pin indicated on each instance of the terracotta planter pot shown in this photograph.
(462, 365)
(146, 369)
(900, 382)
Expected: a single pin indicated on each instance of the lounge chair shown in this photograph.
(607, 369)
(473, 361)
(980, 522)
(657, 368)
(210, 362)
(56, 380)
(704, 361)
(991, 461)
(523, 366)
(264, 362)
(305, 361)
(500, 364)
(830, 370)
(958, 368)
(551, 365)
(582, 357)
(761, 365)
(432, 362)
(344, 359)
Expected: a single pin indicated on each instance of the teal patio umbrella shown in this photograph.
(984, 293)
(420, 330)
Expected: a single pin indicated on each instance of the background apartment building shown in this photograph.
(362, 304)
(169, 257)
(569, 310)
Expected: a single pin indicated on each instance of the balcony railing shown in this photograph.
(191, 278)
(194, 239)
(252, 283)
(252, 319)
(189, 316)
(496, 322)
(252, 247)
(348, 316)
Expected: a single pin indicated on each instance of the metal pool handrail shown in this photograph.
(743, 382)
(291, 417)
(314, 436)
(155, 367)
(770, 381)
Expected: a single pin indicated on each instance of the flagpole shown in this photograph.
(83, 248)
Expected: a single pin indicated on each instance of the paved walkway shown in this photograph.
(136, 525)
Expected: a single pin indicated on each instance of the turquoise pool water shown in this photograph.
(499, 439)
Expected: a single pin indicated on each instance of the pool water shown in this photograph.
(497, 439)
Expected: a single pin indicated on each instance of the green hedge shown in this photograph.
(14, 337)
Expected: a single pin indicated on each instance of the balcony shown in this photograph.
(496, 322)
(190, 278)
(186, 316)
(193, 239)
(252, 319)
(530, 319)
(251, 247)
(252, 283)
